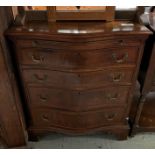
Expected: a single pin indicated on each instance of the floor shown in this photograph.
(98, 141)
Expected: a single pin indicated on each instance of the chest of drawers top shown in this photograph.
(72, 31)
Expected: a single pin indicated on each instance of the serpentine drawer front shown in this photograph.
(79, 80)
(80, 120)
(82, 45)
(78, 100)
(70, 60)
(77, 83)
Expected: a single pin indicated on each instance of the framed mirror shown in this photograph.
(80, 13)
(24, 14)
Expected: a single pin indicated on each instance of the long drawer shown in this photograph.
(63, 60)
(78, 100)
(76, 120)
(76, 45)
(79, 80)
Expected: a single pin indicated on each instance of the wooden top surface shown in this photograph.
(79, 28)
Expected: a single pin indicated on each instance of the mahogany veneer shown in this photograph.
(78, 77)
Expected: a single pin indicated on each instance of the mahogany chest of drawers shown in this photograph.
(78, 77)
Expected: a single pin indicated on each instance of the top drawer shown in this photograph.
(68, 60)
(91, 45)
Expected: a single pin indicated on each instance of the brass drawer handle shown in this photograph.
(43, 98)
(112, 97)
(37, 59)
(110, 117)
(45, 117)
(39, 78)
(35, 43)
(79, 75)
(79, 93)
(121, 42)
(77, 54)
(117, 78)
(120, 60)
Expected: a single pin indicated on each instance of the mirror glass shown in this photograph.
(80, 8)
(68, 8)
(76, 8)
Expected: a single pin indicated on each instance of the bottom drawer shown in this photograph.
(77, 120)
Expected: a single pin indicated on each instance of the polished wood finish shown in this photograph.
(76, 121)
(78, 80)
(68, 45)
(12, 125)
(55, 59)
(78, 77)
(78, 100)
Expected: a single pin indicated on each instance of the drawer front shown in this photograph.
(91, 45)
(76, 80)
(76, 120)
(63, 60)
(78, 100)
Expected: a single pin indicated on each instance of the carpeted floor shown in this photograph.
(98, 141)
